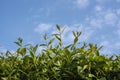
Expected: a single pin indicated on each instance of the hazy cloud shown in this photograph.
(110, 18)
(118, 11)
(81, 3)
(41, 28)
(102, 1)
(96, 23)
(117, 32)
(103, 18)
(98, 8)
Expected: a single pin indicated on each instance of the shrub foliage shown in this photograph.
(58, 62)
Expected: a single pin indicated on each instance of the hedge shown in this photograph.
(57, 61)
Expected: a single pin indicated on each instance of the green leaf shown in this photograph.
(58, 27)
(91, 45)
(91, 75)
(20, 40)
(100, 48)
(58, 37)
(19, 44)
(85, 67)
(97, 53)
(69, 72)
(45, 37)
(103, 78)
(51, 41)
(74, 33)
(22, 51)
(79, 69)
(4, 78)
(78, 33)
(63, 30)
(28, 45)
(75, 40)
(35, 48)
(8, 53)
(31, 53)
(68, 46)
(43, 44)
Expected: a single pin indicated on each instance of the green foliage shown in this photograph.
(58, 62)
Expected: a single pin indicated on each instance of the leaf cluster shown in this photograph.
(58, 62)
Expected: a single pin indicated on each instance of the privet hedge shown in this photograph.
(58, 62)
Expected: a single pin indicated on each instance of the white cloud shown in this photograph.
(118, 24)
(118, 11)
(96, 23)
(110, 18)
(117, 44)
(102, 1)
(98, 8)
(41, 28)
(117, 32)
(104, 43)
(107, 47)
(86, 36)
(104, 22)
(104, 18)
(106, 51)
(82, 3)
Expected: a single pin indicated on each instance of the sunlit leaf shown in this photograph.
(91, 75)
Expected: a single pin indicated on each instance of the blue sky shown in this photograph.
(99, 21)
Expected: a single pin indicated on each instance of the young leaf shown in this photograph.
(45, 37)
(63, 30)
(8, 53)
(19, 44)
(75, 40)
(58, 27)
(35, 48)
(31, 53)
(57, 37)
(68, 46)
(43, 45)
(23, 50)
(100, 48)
(74, 33)
(20, 40)
(51, 41)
